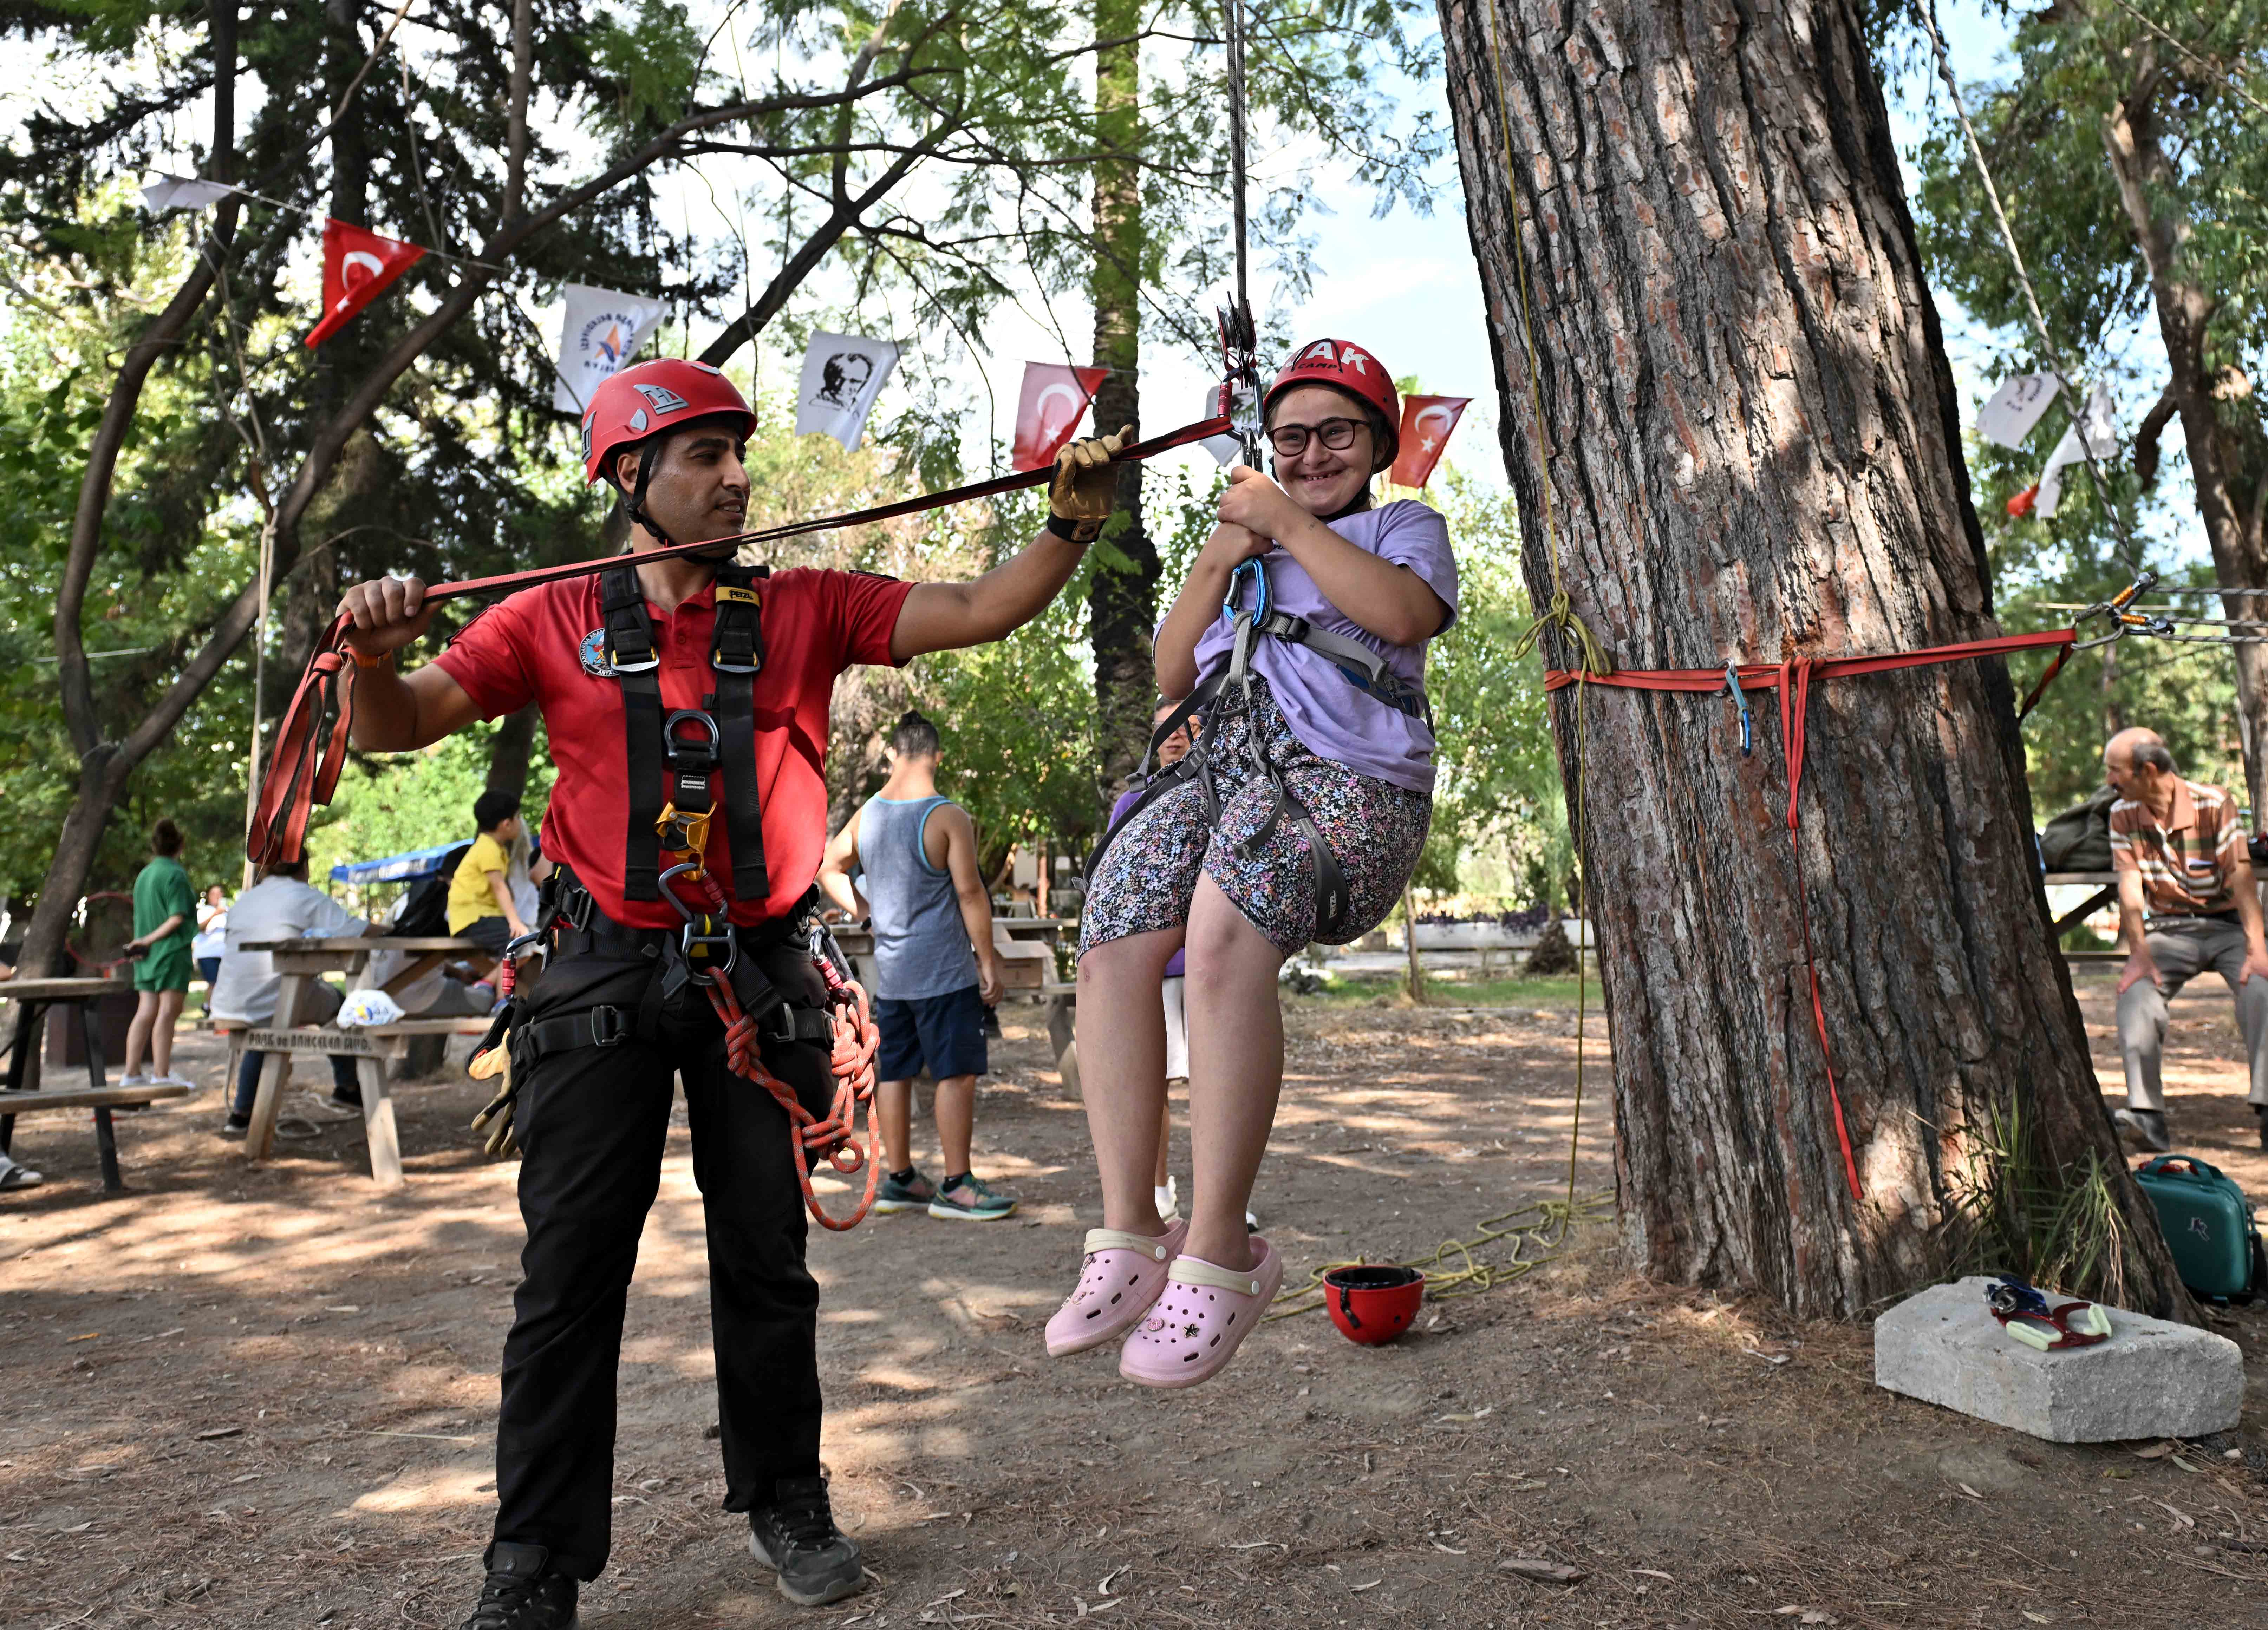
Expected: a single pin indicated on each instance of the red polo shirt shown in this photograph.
(540, 645)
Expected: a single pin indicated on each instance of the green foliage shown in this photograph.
(2044, 132)
(391, 802)
(1500, 793)
(2054, 1223)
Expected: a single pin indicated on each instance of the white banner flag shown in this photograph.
(2015, 407)
(2100, 429)
(181, 192)
(843, 374)
(600, 334)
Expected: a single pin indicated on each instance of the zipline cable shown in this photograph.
(2128, 552)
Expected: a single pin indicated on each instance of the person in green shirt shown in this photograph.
(164, 923)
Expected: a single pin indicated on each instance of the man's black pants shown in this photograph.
(591, 1122)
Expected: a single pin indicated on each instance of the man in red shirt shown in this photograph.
(686, 700)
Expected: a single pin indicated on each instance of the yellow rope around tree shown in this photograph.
(1560, 614)
(1549, 1222)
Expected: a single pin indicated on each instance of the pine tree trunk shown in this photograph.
(1123, 594)
(1755, 455)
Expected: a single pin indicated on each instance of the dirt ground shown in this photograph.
(264, 1395)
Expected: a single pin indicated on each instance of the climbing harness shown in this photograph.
(709, 952)
(310, 750)
(2026, 1314)
(1360, 666)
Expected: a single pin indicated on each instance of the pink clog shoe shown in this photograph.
(1205, 1311)
(1123, 1273)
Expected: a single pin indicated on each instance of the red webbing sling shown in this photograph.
(1792, 678)
(303, 769)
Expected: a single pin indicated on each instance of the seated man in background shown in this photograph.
(2186, 902)
(280, 905)
(481, 907)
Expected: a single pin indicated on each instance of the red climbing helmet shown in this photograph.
(650, 397)
(1346, 366)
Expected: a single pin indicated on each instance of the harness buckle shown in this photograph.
(610, 1027)
(616, 665)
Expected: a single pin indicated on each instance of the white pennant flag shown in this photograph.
(2100, 428)
(2015, 408)
(182, 192)
(843, 374)
(601, 331)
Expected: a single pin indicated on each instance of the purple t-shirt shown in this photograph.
(1174, 969)
(1327, 713)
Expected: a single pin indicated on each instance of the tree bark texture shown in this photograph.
(1754, 455)
(2228, 459)
(1122, 597)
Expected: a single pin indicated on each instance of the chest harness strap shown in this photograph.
(1360, 666)
(674, 759)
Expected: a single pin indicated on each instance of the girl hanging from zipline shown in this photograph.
(1301, 636)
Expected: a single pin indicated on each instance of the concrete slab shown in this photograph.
(2150, 1379)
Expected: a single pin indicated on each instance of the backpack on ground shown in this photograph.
(2208, 1227)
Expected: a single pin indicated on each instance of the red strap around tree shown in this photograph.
(303, 769)
(1793, 677)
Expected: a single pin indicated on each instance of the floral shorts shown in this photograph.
(1149, 873)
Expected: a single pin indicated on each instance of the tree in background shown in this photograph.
(2129, 146)
(1750, 451)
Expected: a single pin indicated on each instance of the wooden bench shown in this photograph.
(371, 1047)
(102, 1100)
(23, 1095)
(302, 962)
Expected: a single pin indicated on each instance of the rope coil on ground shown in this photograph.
(1553, 1221)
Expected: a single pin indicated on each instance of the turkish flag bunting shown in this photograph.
(1055, 397)
(1426, 422)
(357, 266)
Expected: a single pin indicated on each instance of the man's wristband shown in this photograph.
(1074, 532)
(384, 659)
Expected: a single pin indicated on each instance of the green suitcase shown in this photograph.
(2208, 1226)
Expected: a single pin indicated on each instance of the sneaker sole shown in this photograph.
(956, 1214)
(891, 1207)
(834, 1591)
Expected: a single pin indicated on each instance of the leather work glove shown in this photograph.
(1085, 487)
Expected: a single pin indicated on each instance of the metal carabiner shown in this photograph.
(1740, 700)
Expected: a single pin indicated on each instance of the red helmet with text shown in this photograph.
(650, 399)
(1346, 366)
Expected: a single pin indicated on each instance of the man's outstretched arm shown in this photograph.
(395, 712)
(945, 616)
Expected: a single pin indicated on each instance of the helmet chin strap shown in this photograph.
(634, 505)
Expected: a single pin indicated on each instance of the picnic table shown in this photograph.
(1027, 947)
(24, 1095)
(302, 962)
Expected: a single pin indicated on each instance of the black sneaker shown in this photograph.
(522, 1593)
(796, 1539)
(235, 1126)
(2145, 1127)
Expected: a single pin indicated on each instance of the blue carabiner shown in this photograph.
(1259, 571)
(1740, 700)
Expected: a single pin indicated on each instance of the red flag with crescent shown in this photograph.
(357, 266)
(1426, 422)
(1054, 399)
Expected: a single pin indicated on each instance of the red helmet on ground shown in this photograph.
(1346, 366)
(653, 397)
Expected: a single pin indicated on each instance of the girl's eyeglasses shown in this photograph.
(1290, 440)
